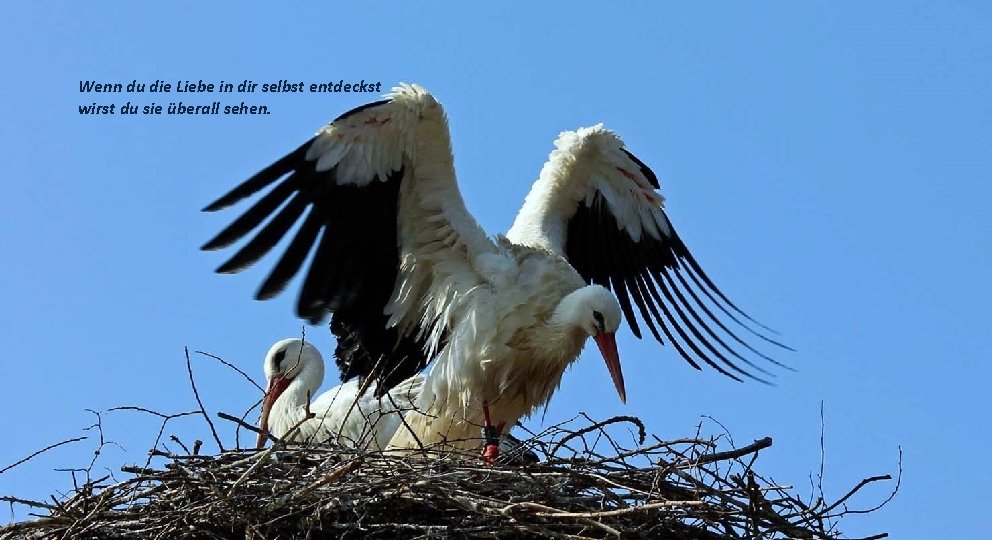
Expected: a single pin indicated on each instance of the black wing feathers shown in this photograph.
(352, 232)
(361, 108)
(261, 179)
(650, 274)
(645, 170)
(254, 215)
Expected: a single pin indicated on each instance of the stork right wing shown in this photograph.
(598, 205)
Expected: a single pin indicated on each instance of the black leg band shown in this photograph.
(489, 432)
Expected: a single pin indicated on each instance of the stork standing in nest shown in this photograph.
(409, 277)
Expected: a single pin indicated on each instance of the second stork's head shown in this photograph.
(294, 371)
(595, 312)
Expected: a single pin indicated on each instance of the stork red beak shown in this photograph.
(277, 385)
(608, 346)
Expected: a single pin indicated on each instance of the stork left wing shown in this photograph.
(381, 213)
(597, 204)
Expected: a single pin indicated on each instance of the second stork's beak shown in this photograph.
(608, 346)
(277, 385)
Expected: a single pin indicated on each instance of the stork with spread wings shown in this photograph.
(409, 277)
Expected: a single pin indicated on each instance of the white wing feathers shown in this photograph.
(584, 162)
(371, 142)
(443, 251)
(438, 238)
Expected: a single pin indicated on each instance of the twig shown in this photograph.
(196, 394)
(43, 450)
(28, 502)
(156, 413)
(176, 440)
(269, 436)
(622, 511)
(600, 425)
(759, 444)
(161, 429)
(548, 511)
(895, 490)
(332, 476)
(235, 368)
(245, 425)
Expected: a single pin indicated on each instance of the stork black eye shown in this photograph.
(599, 318)
(279, 357)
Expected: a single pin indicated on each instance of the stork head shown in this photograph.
(287, 361)
(595, 311)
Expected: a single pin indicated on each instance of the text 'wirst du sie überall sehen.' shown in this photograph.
(200, 87)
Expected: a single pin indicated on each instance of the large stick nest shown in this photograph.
(589, 484)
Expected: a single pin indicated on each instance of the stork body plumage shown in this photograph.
(508, 356)
(409, 277)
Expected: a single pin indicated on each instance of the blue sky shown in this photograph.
(828, 163)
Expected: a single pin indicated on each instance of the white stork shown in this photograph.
(294, 370)
(409, 276)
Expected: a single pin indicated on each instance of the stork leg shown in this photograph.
(492, 434)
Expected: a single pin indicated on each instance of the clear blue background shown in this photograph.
(828, 163)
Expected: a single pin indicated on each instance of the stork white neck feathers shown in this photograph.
(409, 276)
(594, 312)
